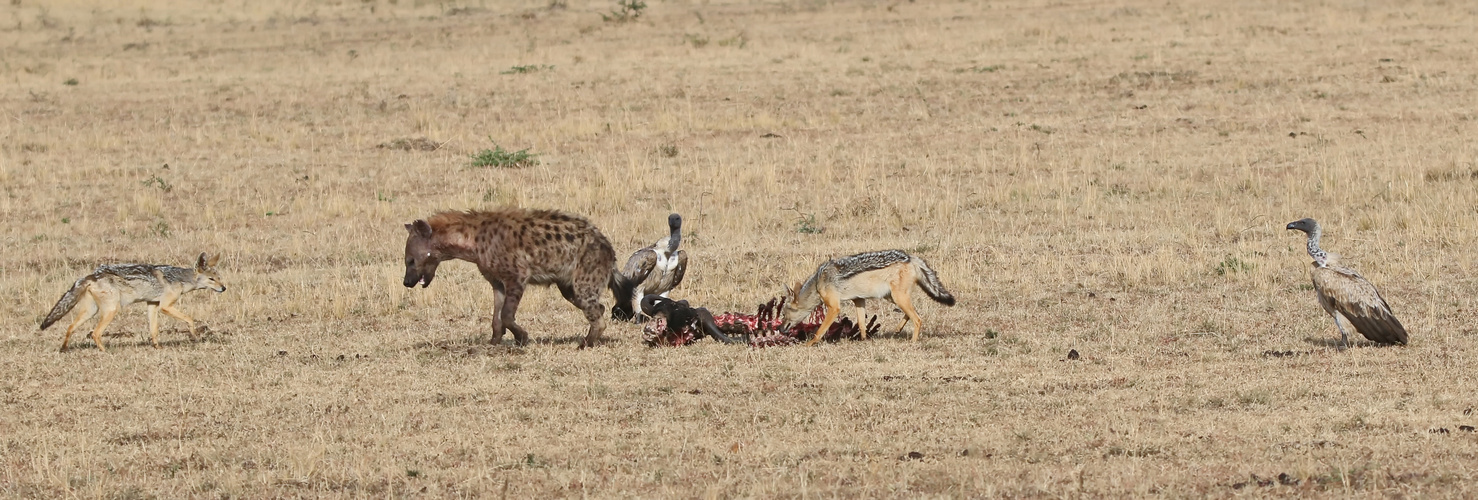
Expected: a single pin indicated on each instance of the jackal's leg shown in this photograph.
(900, 297)
(154, 324)
(832, 305)
(512, 294)
(903, 324)
(861, 305)
(170, 310)
(108, 309)
(167, 306)
(831, 316)
(89, 308)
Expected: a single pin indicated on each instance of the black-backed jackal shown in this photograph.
(110, 287)
(886, 274)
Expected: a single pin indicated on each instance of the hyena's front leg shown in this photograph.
(512, 294)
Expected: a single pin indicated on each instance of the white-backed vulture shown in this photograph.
(654, 270)
(1345, 294)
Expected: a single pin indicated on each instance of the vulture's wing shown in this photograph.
(682, 268)
(640, 265)
(1360, 303)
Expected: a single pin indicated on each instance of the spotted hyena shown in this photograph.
(513, 248)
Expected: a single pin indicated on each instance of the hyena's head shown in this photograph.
(421, 257)
(206, 275)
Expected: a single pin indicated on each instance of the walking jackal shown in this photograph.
(110, 287)
(887, 274)
(513, 248)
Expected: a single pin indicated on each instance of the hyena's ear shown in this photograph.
(419, 228)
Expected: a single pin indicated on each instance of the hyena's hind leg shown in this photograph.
(586, 296)
(86, 308)
(497, 312)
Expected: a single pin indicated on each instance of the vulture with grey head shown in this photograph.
(654, 270)
(1345, 294)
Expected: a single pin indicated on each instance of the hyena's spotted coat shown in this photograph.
(513, 248)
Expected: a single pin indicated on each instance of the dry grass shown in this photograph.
(1111, 178)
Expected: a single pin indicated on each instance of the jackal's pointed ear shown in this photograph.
(419, 228)
(200, 263)
(211, 262)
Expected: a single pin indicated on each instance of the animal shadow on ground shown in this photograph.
(1334, 343)
(477, 345)
(575, 339)
(482, 344)
(167, 339)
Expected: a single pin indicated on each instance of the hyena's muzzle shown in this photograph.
(422, 274)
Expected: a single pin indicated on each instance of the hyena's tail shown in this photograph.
(930, 282)
(68, 301)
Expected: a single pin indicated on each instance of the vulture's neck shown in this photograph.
(1321, 258)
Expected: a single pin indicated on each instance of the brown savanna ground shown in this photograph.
(1109, 177)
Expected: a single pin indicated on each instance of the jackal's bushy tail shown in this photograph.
(65, 305)
(930, 283)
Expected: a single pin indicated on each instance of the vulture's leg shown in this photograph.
(1344, 339)
(637, 315)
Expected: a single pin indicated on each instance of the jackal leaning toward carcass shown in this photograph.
(873, 275)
